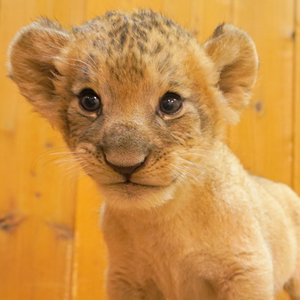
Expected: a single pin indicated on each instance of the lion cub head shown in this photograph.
(135, 96)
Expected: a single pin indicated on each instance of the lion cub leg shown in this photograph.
(246, 291)
(244, 279)
(246, 288)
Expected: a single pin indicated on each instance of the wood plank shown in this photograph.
(263, 139)
(90, 255)
(296, 173)
(94, 9)
(207, 15)
(37, 197)
(179, 11)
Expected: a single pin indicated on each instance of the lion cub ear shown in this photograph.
(234, 55)
(31, 61)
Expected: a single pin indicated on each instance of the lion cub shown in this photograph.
(143, 106)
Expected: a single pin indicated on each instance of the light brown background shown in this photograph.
(50, 244)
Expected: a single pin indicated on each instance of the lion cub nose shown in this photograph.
(127, 170)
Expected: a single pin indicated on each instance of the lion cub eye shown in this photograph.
(89, 101)
(170, 103)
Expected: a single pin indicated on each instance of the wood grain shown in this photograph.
(90, 255)
(51, 246)
(263, 139)
(296, 116)
(37, 201)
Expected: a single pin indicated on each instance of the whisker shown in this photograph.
(198, 149)
(68, 152)
(192, 163)
(69, 160)
(190, 173)
(180, 174)
(197, 154)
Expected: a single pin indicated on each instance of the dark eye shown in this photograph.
(170, 103)
(89, 101)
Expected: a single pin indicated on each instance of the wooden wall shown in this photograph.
(50, 244)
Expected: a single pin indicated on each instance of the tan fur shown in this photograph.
(190, 223)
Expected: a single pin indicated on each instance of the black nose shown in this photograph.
(126, 171)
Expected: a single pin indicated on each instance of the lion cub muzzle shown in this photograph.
(125, 147)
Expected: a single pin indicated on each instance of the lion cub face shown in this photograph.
(135, 97)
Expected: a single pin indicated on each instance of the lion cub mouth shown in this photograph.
(131, 184)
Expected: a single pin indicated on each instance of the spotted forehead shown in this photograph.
(134, 27)
(129, 41)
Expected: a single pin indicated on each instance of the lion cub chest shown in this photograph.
(165, 256)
